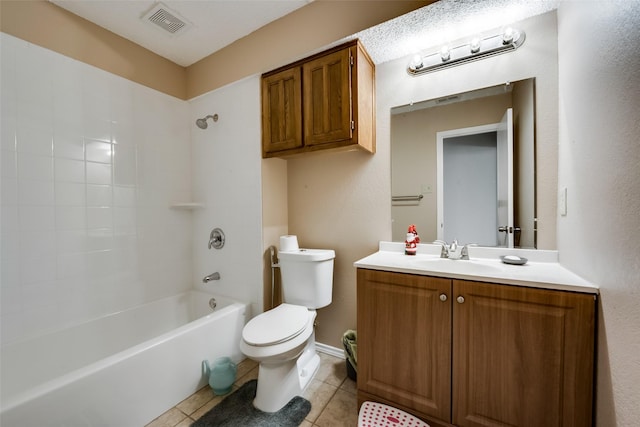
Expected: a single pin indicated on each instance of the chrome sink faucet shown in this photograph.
(444, 252)
(464, 253)
(454, 250)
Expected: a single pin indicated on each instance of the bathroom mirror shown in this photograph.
(485, 192)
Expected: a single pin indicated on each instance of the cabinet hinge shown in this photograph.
(351, 60)
(353, 125)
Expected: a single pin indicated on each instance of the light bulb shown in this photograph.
(416, 62)
(445, 54)
(474, 46)
(508, 35)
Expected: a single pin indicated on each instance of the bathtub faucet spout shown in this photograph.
(210, 277)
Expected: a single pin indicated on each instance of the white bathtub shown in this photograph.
(121, 370)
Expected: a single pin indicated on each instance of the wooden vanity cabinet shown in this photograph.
(518, 356)
(322, 102)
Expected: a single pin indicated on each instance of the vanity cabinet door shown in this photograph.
(404, 341)
(522, 356)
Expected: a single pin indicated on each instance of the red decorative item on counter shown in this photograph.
(411, 244)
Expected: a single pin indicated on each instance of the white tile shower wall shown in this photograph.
(226, 160)
(90, 164)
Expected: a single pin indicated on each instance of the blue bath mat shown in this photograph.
(237, 410)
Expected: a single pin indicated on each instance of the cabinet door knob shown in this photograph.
(460, 299)
(443, 297)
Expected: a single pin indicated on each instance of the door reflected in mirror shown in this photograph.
(452, 185)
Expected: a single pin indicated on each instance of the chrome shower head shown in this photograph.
(202, 123)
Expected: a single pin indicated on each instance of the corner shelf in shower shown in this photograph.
(187, 206)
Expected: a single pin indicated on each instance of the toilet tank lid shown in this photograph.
(306, 255)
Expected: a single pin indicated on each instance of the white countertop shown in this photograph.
(541, 270)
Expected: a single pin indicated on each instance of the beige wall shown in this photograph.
(275, 223)
(309, 28)
(334, 203)
(599, 238)
(47, 25)
(306, 30)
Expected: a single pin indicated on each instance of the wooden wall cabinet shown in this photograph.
(326, 101)
(471, 354)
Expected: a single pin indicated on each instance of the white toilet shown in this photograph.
(282, 339)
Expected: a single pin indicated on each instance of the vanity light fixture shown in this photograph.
(508, 40)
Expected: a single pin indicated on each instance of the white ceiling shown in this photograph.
(218, 23)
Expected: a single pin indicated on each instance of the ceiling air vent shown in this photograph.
(160, 16)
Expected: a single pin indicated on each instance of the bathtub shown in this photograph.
(120, 370)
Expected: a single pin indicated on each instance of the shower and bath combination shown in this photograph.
(202, 123)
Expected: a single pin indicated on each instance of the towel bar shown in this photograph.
(416, 198)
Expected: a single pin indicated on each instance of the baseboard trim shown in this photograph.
(330, 350)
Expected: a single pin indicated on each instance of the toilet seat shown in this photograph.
(285, 349)
(275, 326)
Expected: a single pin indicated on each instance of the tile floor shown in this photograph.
(331, 393)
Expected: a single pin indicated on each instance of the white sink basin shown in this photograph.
(455, 266)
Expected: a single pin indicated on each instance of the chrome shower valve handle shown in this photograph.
(216, 239)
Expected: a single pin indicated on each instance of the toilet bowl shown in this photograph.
(283, 339)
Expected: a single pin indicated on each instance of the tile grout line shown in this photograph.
(328, 401)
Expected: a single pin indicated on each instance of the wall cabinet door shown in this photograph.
(282, 111)
(327, 99)
(522, 357)
(404, 340)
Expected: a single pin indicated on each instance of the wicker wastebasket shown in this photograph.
(349, 341)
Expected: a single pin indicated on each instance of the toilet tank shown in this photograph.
(307, 276)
